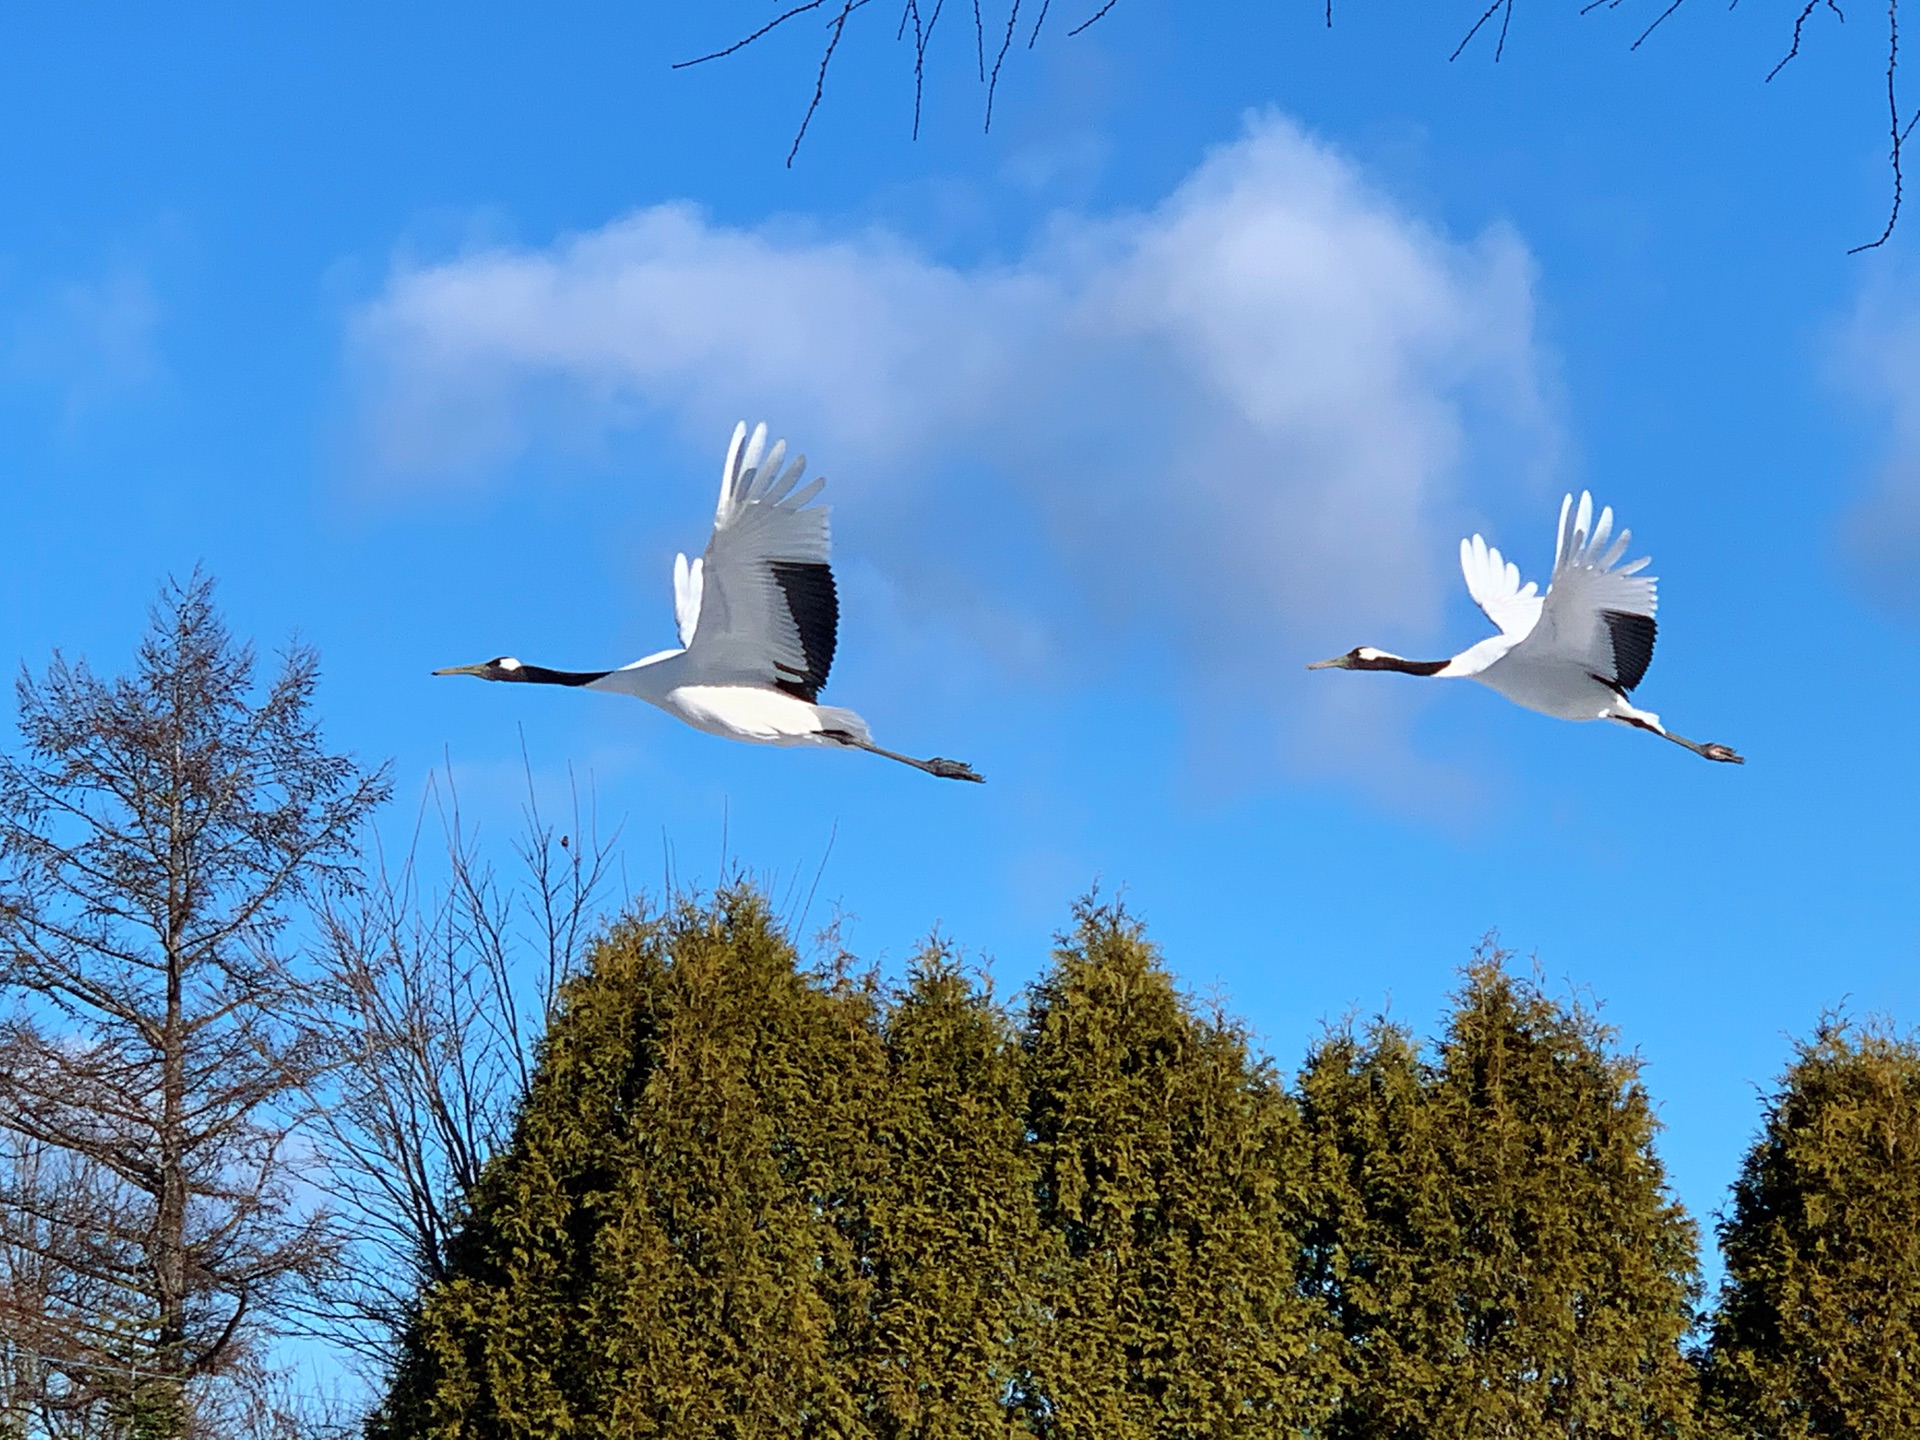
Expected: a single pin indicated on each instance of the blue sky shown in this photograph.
(423, 328)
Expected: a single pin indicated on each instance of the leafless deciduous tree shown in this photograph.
(158, 833)
(997, 30)
(433, 989)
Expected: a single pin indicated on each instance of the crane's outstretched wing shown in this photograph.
(763, 607)
(1598, 613)
(1494, 584)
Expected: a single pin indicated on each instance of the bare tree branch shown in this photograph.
(1898, 131)
(1799, 26)
(433, 997)
(1006, 44)
(1101, 14)
(761, 33)
(1899, 126)
(1502, 8)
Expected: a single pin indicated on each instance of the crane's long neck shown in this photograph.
(1381, 660)
(541, 675)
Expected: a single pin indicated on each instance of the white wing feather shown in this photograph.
(686, 597)
(744, 629)
(1589, 584)
(1494, 584)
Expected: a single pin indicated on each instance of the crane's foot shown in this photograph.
(953, 770)
(1722, 753)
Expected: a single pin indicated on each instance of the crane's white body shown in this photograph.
(735, 712)
(1542, 683)
(1574, 653)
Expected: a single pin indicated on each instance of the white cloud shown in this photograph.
(1235, 420)
(94, 340)
(1881, 361)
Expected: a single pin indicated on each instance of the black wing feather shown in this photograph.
(1632, 646)
(814, 604)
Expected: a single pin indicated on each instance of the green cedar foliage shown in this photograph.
(1818, 1329)
(675, 1245)
(1492, 1233)
(1167, 1190)
(954, 1229)
(748, 1202)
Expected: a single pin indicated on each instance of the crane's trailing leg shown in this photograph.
(1709, 751)
(945, 769)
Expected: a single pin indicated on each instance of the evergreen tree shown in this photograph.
(954, 1225)
(1382, 1221)
(1818, 1328)
(676, 1243)
(1169, 1172)
(1492, 1231)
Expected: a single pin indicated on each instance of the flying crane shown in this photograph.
(758, 616)
(1576, 652)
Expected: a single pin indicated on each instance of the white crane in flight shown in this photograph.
(1574, 653)
(758, 615)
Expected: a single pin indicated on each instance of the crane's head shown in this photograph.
(1361, 657)
(503, 667)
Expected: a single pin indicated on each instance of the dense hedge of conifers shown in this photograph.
(749, 1201)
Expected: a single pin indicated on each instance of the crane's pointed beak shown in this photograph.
(1338, 662)
(480, 670)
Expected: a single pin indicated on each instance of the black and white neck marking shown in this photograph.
(1380, 660)
(541, 675)
(1365, 657)
(505, 667)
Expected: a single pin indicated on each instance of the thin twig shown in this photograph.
(921, 37)
(1006, 43)
(1658, 20)
(1899, 131)
(812, 890)
(979, 42)
(765, 29)
(1494, 9)
(919, 57)
(1101, 13)
(1593, 5)
(839, 26)
(1045, 5)
(1799, 26)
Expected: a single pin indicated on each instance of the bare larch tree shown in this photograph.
(159, 833)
